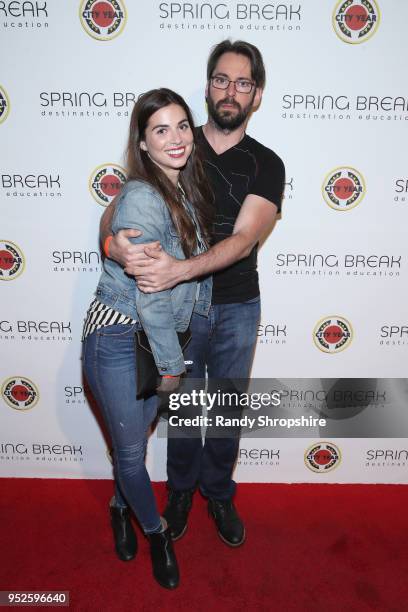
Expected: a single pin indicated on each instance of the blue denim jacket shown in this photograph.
(164, 313)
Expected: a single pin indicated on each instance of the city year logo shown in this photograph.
(322, 457)
(332, 334)
(20, 393)
(343, 188)
(355, 21)
(4, 104)
(11, 260)
(103, 20)
(105, 182)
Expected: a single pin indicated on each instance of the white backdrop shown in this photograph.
(336, 111)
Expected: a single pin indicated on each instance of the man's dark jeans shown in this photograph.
(223, 343)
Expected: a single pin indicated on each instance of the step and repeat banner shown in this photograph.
(333, 272)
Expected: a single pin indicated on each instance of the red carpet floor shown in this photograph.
(309, 547)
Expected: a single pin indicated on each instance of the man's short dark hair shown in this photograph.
(242, 48)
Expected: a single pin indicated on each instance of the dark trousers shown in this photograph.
(223, 344)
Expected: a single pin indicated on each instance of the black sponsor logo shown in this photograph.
(272, 333)
(401, 190)
(76, 261)
(288, 193)
(17, 15)
(386, 457)
(393, 335)
(333, 398)
(39, 451)
(64, 104)
(258, 457)
(335, 265)
(35, 331)
(329, 107)
(31, 185)
(248, 16)
(74, 394)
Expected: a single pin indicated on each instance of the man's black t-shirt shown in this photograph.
(247, 168)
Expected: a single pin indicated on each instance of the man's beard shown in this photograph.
(224, 119)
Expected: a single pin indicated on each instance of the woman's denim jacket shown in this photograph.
(164, 313)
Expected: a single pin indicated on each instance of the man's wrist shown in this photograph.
(185, 270)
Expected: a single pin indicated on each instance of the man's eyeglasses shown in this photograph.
(241, 85)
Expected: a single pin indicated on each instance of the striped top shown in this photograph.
(99, 315)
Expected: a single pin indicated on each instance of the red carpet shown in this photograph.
(309, 547)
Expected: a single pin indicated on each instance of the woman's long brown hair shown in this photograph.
(192, 177)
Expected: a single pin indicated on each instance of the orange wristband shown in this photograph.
(169, 376)
(106, 245)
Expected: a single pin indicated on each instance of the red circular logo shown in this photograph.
(106, 182)
(11, 260)
(322, 457)
(343, 188)
(354, 21)
(332, 334)
(20, 393)
(103, 19)
(4, 105)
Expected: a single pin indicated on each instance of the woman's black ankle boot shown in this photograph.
(123, 533)
(164, 562)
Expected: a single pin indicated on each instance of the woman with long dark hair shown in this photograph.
(167, 197)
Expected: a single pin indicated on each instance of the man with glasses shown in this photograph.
(247, 180)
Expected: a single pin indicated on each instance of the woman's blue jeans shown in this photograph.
(110, 368)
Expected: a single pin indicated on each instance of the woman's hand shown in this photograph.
(168, 384)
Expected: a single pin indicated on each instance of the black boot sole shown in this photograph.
(166, 586)
(125, 559)
(230, 543)
(180, 535)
